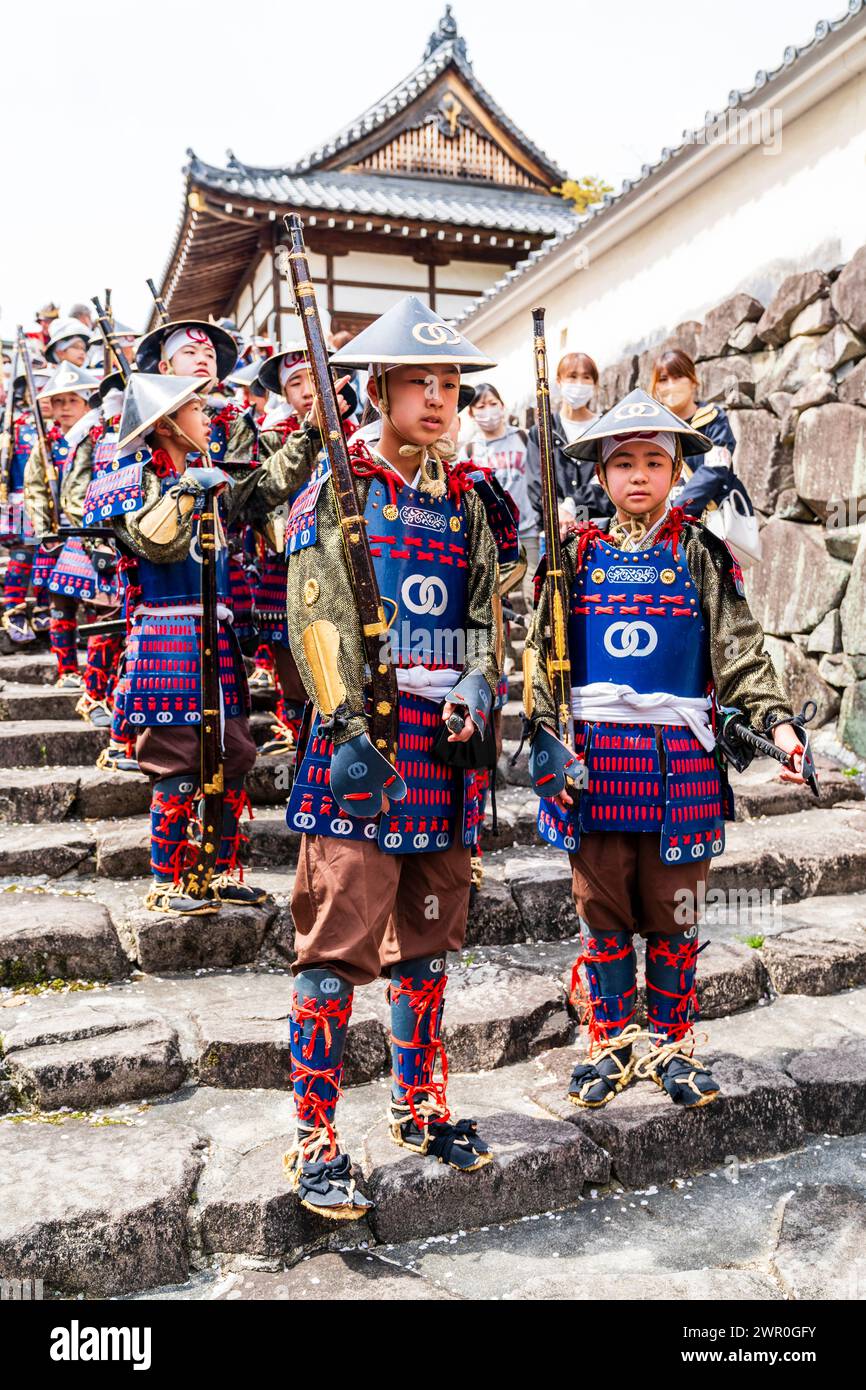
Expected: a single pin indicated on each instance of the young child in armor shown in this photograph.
(661, 640)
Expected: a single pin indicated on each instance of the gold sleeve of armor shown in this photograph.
(530, 659)
(163, 521)
(321, 642)
(499, 627)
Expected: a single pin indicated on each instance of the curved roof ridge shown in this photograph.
(737, 97)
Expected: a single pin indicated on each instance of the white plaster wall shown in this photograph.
(755, 222)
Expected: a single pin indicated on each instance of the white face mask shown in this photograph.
(576, 393)
(491, 416)
(675, 394)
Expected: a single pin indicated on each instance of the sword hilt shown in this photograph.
(765, 745)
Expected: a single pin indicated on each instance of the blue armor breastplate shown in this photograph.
(419, 555)
(635, 619)
(179, 583)
(60, 454)
(116, 488)
(103, 452)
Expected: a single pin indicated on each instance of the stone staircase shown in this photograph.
(144, 1094)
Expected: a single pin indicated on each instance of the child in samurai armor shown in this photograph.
(660, 638)
(152, 505)
(61, 568)
(16, 531)
(191, 348)
(388, 846)
(87, 570)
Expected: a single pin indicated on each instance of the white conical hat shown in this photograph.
(150, 396)
(68, 377)
(411, 334)
(636, 414)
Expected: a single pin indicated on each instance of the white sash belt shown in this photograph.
(603, 702)
(429, 684)
(189, 610)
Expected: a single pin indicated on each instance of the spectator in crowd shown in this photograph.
(84, 314)
(581, 496)
(67, 342)
(502, 449)
(46, 317)
(707, 479)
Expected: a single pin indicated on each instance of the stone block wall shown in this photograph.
(792, 376)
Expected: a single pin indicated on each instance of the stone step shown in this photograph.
(47, 936)
(27, 702)
(783, 1228)
(61, 742)
(511, 726)
(760, 944)
(100, 1046)
(119, 1205)
(795, 1065)
(503, 1003)
(97, 1209)
(28, 668)
(27, 796)
(50, 743)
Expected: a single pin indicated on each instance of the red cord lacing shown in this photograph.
(313, 1109)
(163, 464)
(238, 801)
(683, 959)
(322, 1015)
(365, 466)
(581, 1000)
(172, 808)
(434, 1091)
(671, 529)
(425, 1001)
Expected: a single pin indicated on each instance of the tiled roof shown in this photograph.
(737, 99)
(387, 195)
(444, 47)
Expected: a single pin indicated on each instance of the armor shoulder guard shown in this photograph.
(302, 523)
(722, 557)
(502, 515)
(118, 490)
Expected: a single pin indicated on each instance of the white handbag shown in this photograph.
(735, 523)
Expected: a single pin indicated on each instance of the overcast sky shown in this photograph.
(100, 102)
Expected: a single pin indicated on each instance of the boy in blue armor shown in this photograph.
(16, 532)
(660, 636)
(152, 502)
(71, 392)
(383, 880)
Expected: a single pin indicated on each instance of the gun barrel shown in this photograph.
(105, 324)
(45, 452)
(383, 719)
(558, 663)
